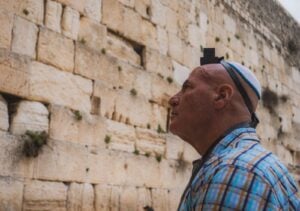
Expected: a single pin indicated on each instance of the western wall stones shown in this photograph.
(11, 193)
(24, 37)
(3, 114)
(70, 23)
(56, 50)
(31, 116)
(6, 21)
(53, 15)
(32, 10)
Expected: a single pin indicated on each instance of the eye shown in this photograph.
(185, 86)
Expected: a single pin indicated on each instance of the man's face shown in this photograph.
(192, 105)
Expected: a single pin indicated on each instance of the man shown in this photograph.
(214, 112)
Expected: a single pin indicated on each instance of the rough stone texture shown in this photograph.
(24, 37)
(106, 82)
(32, 116)
(32, 10)
(11, 193)
(92, 34)
(51, 85)
(41, 195)
(6, 22)
(3, 114)
(56, 50)
(53, 15)
(70, 23)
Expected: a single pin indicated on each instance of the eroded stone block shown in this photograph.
(70, 23)
(80, 197)
(32, 116)
(128, 198)
(102, 197)
(176, 47)
(181, 73)
(53, 15)
(11, 194)
(158, 13)
(56, 50)
(24, 37)
(45, 195)
(32, 10)
(162, 39)
(6, 22)
(51, 85)
(92, 34)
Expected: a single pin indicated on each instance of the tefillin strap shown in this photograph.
(210, 58)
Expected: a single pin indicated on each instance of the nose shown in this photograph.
(174, 101)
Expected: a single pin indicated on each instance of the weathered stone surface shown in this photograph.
(129, 3)
(113, 14)
(194, 35)
(143, 7)
(44, 195)
(80, 197)
(10, 6)
(70, 23)
(142, 83)
(122, 49)
(3, 114)
(176, 47)
(159, 197)
(51, 85)
(32, 116)
(189, 153)
(128, 198)
(144, 198)
(6, 22)
(102, 197)
(162, 39)
(122, 136)
(24, 37)
(155, 62)
(53, 15)
(171, 21)
(92, 34)
(90, 8)
(56, 50)
(14, 68)
(13, 161)
(32, 10)
(11, 193)
(64, 126)
(158, 13)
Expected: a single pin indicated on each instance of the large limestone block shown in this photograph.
(92, 34)
(113, 14)
(162, 40)
(70, 23)
(122, 49)
(3, 114)
(159, 117)
(176, 47)
(42, 195)
(64, 126)
(143, 7)
(189, 153)
(53, 15)
(159, 198)
(158, 63)
(56, 50)
(62, 161)
(102, 197)
(6, 22)
(24, 37)
(143, 84)
(172, 21)
(174, 198)
(51, 85)
(144, 198)
(13, 161)
(158, 13)
(129, 3)
(96, 65)
(149, 34)
(194, 35)
(32, 10)
(11, 5)
(122, 136)
(11, 194)
(128, 198)
(230, 24)
(14, 68)
(90, 8)
(31, 116)
(191, 56)
(150, 142)
(80, 197)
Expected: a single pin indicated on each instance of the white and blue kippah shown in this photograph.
(248, 76)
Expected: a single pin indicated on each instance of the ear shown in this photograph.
(223, 95)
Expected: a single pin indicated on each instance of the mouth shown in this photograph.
(173, 114)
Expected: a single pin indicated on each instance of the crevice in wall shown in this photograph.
(12, 104)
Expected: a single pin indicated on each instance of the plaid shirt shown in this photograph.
(240, 174)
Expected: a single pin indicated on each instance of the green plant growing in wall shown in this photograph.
(237, 36)
(158, 157)
(103, 51)
(217, 39)
(133, 92)
(136, 152)
(107, 139)
(148, 126)
(82, 41)
(119, 68)
(25, 12)
(33, 142)
(147, 154)
(170, 80)
(159, 129)
(228, 39)
(77, 115)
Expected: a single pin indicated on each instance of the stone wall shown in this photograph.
(96, 75)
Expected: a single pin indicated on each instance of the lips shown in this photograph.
(173, 114)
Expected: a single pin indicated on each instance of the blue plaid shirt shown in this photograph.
(240, 174)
